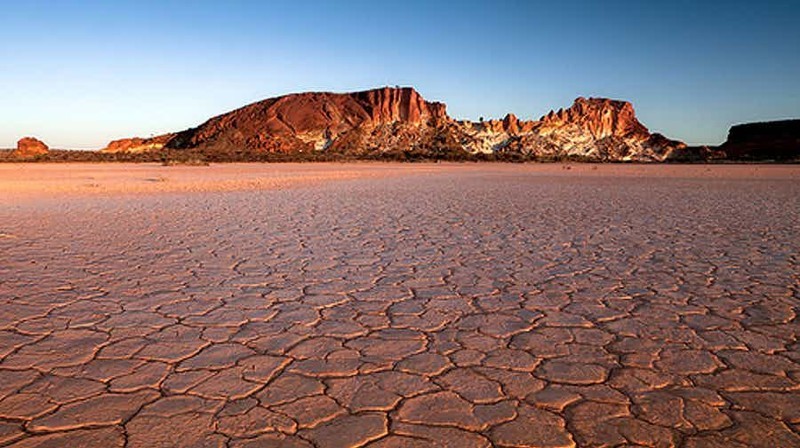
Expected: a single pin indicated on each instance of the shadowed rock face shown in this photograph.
(775, 140)
(30, 147)
(400, 120)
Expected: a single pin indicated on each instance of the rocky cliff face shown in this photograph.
(593, 128)
(776, 140)
(400, 120)
(29, 147)
(598, 117)
(316, 121)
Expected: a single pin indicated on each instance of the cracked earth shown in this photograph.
(404, 306)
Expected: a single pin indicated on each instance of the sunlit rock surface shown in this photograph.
(29, 147)
(399, 120)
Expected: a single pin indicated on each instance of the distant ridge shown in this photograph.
(774, 140)
(397, 123)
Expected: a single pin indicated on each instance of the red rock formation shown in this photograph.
(595, 128)
(308, 121)
(510, 124)
(601, 117)
(137, 144)
(389, 105)
(400, 120)
(28, 147)
(514, 126)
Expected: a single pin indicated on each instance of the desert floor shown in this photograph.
(393, 305)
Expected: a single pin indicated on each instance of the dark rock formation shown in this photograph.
(775, 140)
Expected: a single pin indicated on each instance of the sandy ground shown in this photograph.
(26, 181)
(391, 305)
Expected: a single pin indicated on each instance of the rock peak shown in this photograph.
(511, 124)
(602, 117)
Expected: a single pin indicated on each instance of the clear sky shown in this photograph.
(77, 74)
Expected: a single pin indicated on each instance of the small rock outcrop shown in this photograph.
(29, 147)
(137, 145)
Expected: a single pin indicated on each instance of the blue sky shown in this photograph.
(77, 74)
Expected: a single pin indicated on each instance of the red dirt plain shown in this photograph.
(397, 305)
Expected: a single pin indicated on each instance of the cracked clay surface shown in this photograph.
(455, 306)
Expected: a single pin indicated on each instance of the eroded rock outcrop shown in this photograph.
(593, 128)
(137, 144)
(391, 120)
(600, 117)
(314, 121)
(30, 147)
